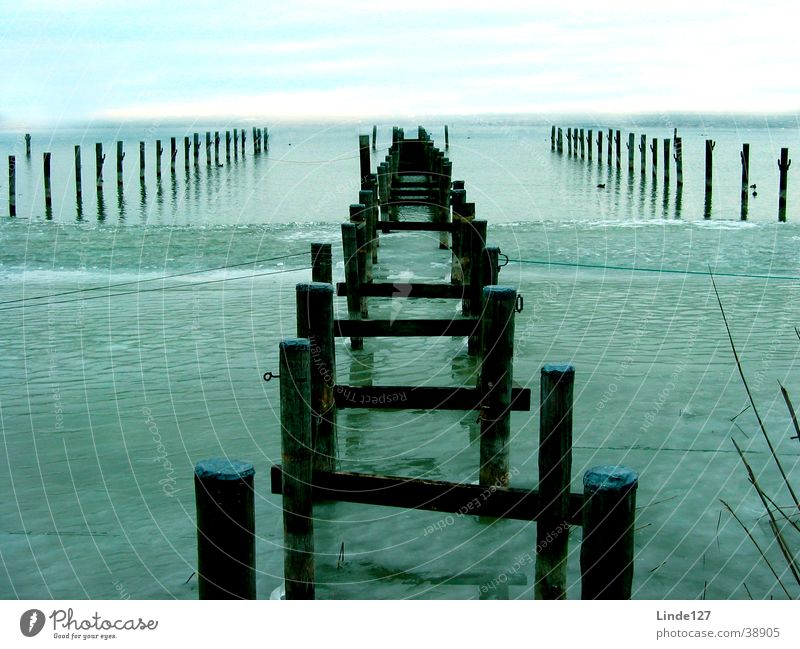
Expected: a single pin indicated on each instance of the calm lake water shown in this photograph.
(109, 397)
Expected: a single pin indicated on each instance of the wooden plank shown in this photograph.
(421, 398)
(377, 328)
(418, 226)
(429, 495)
(397, 289)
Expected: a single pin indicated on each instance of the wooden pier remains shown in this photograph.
(415, 174)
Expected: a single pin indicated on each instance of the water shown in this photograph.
(108, 402)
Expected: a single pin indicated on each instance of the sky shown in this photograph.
(69, 60)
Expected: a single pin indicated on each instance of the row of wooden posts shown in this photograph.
(310, 397)
(579, 141)
(191, 152)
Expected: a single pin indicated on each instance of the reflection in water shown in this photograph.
(678, 197)
(707, 206)
(79, 209)
(654, 195)
(666, 199)
(120, 202)
(101, 205)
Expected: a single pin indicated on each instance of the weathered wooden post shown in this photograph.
(366, 197)
(552, 138)
(173, 154)
(744, 156)
(297, 473)
(321, 263)
(589, 144)
(315, 322)
(351, 277)
(78, 174)
(208, 148)
(608, 518)
(244, 138)
(560, 140)
(679, 160)
(27, 145)
(446, 137)
(654, 149)
(618, 147)
(141, 162)
(569, 141)
(643, 153)
(783, 166)
(226, 526)
(364, 162)
(583, 142)
(472, 244)
(599, 145)
(120, 158)
(374, 137)
(196, 149)
(496, 374)
(216, 148)
(99, 159)
(667, 161)
(255, 141)
(575, 142)
(186, 147)
(48, 197)
(159, 151)
(610, 147)
(12, 186)
(555, 474)
(359, 215)
(709, 166)
(227, 145)
(235, 142)
(631, 149)
(266, 140)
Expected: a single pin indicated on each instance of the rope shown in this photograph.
(544, 262)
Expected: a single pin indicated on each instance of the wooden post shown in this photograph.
(366, 197)
(351, 277)
(196, 149)
(216, 148)
(173, 154)
(159, 151)
(643, 153)
(120, 158)
(208, 148)
(12, 186)
(227, 145)
(575, 141)
(569, 141)
(744, 156)
(226, 526)
(244, 137)
(631, 150)
(446, 137)
(99, 159)
(654, 149)
(709, 165)
(496, 374)
(783, 166)
(266, 140)
(618, 148)
(141, 162)
(255, 141)
(27, 145)
(359, 215)
(679, 160)
(667, 161)
(560, 140)
(321, 263)
(315, 322)
(472, 245)
(610, 147)
(599, 146)
(186, 147)
(552, 138)
(364, 162)
(374, 137)
(297, 474)
(48, 196)
(608, 518)
(235, 142)
(582, 142)
(78, 174)
(444, 208)
(555, 474)
(589, 143)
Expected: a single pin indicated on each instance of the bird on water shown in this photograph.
(601, 186)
